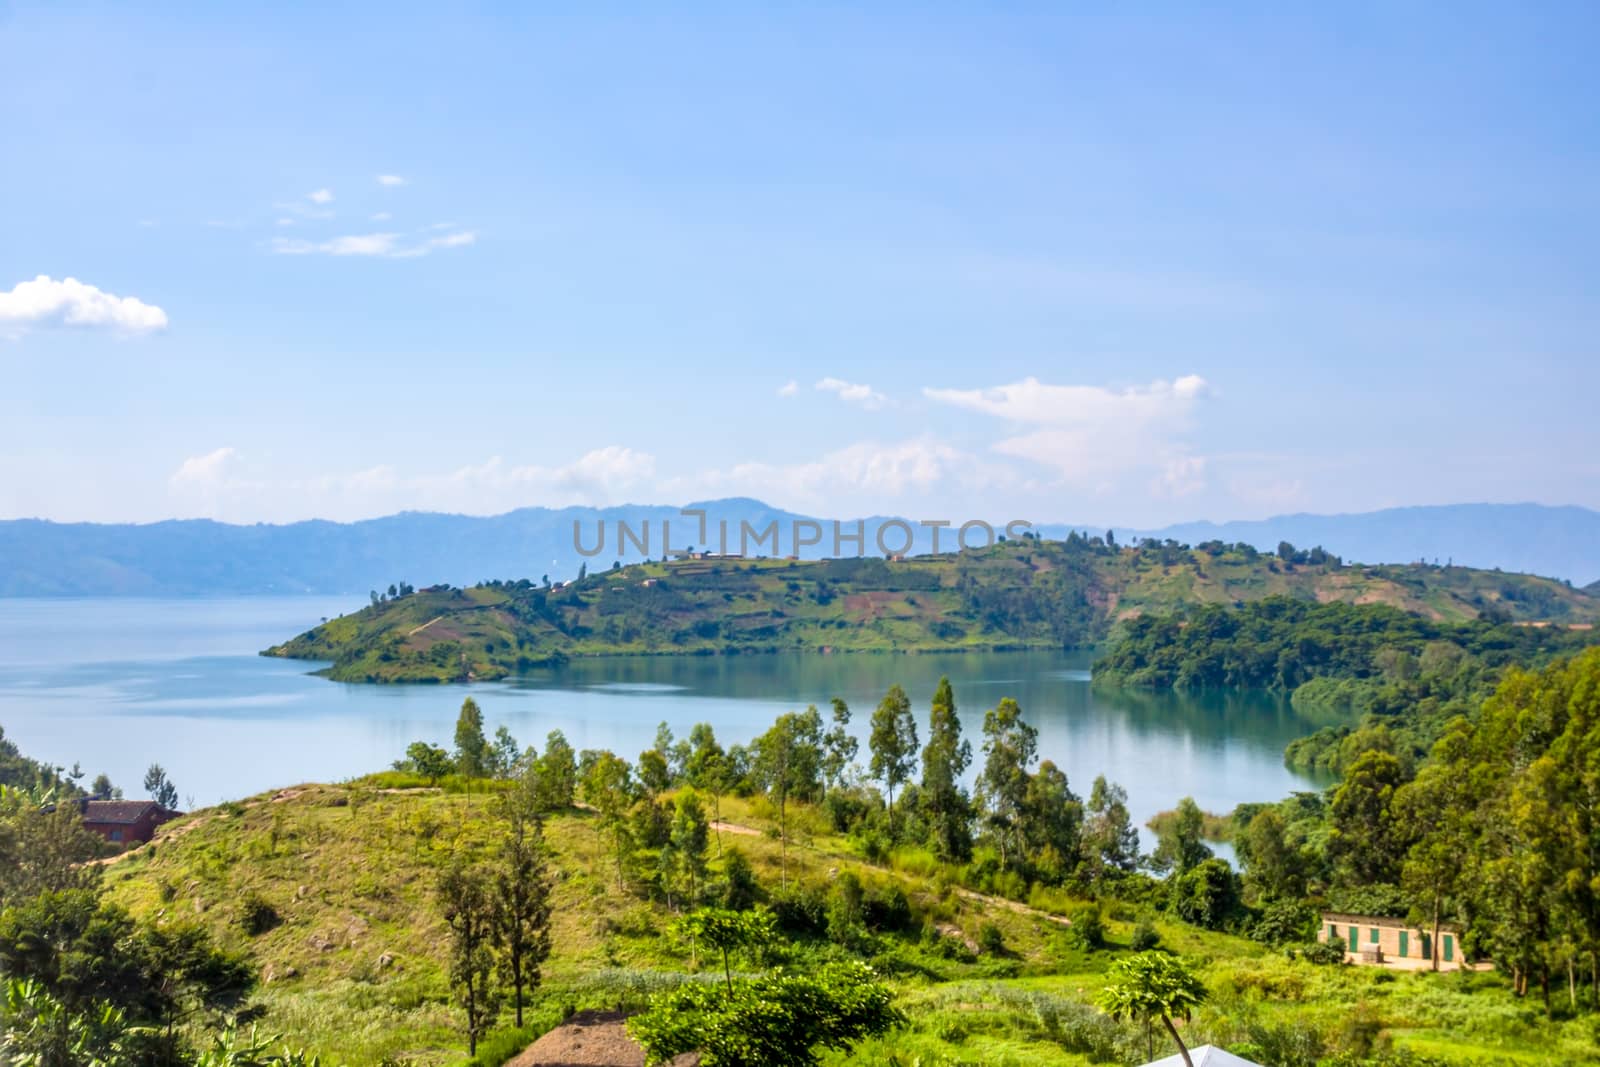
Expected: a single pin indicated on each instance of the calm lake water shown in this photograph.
(116, 684)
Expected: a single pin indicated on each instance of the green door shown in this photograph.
(1427, 946)
(1449, 948)
(1355, 939)
(1405, 943)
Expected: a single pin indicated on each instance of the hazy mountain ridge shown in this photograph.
(200, 557)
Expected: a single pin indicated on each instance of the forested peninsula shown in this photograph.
(1024, 593)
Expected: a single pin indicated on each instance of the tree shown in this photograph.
(1008, 750)
(893, 742)
(707, 768)
(1179, 844)
(1150, 986)
(555, 774)
(160, 787)
(787, 763)
(654, 773)
(777, 1021)
(1276, 868)
(1365, 842)
(1110, 838)
(430, 761)
(944, 760)
(504, 754)
(521, 899)
(1206, 894)
(468, 909)
(683, 861)
(608, 788)
(45, 850)
(839, 747)
(728, 931)
(472, 748)
(103, 789)
(1052, 825)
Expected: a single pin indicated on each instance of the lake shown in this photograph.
(115, 684)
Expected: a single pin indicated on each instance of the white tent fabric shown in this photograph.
(1205, 1056)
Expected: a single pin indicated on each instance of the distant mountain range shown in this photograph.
(205, 558)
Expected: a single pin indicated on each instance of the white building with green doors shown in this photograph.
(1390, 942)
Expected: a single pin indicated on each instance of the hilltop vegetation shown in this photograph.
(1025, 593)
(1381, 670)
(983, 926)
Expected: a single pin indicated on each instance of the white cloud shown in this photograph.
(790, 388)
(207, 471)
(390, 179)
(868, 476)
(382, 216)
(321, 196)
(220, 484)
(69, 302)
(381, 245)
(1094, 436)
(854, 393)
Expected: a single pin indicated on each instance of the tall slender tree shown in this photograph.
(521, 898)
(1009, 746)
(467, 906)
(944, 760)
(839, 747)
(893, 742)
(472, 748)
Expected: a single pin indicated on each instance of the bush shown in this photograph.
(256, 916)
(991, 940)
(1283, 922)
(888, 909)
(1323, 952)
(1088, 930)
(739, 891)
(802, 910)
(1145, 936)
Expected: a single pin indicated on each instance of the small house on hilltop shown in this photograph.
(125, 821)
(1389, 942)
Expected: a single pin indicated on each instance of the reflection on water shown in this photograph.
(116, 684)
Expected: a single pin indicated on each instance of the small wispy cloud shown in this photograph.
(321, 196)
(790, 388)
(378, 245)
(381, 216)
(390, 179)
(853, 392)
(69, 302)
(206, 470)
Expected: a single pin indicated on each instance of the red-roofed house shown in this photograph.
(125, 821)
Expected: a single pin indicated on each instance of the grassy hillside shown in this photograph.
(351, 950)
(1018, 594)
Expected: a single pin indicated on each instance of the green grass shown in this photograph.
(356, 956)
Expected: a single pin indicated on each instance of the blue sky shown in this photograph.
(1101, 266)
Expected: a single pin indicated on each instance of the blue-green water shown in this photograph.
(117, 684)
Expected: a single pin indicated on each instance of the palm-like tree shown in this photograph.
(1152, 985)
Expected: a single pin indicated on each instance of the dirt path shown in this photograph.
(735, 829)
(417, 630)
(589, 1039)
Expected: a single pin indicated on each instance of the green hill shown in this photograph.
(1018, 594)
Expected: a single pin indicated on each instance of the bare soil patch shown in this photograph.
(589, 1039)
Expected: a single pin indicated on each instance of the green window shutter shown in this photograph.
(1449, 949)
(1373, 935)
